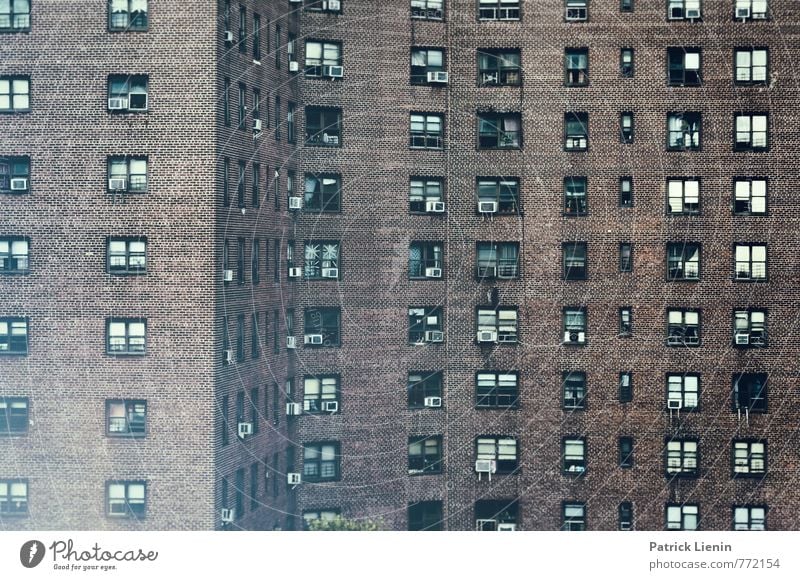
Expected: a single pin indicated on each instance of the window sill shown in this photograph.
(13, 434)
(13, 111)
(126, 354)
(126, 435)
(13, 353)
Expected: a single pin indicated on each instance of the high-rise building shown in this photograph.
(457, 264)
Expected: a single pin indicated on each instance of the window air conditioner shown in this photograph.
(245, 429)
(257, 125)
(486, 466)
(312, 339)
(334, 5)
(228, 35)
(294, 66)
(434, 336)
(438, 77)
(330, 406)
(486, 525)
(743, 12)
(117, 104)
(759, 15)
(433, 402)
(295, 202)
(490, 79)
(118, 184)
(433, 272)
(506, 527)
(227, 356)
(573, 337)
(227, 515)
(487, 207)
(624, 526)
(19, 184)
(742, 338)
(291, 342)
(487, 272)
(487, 336)
(295, 272)
(333, 71)
(227, 275)
(293, 409)
(330, 272)
(295, 1)
(434, 206)
(293, 478)
(692, 13)
(674, 404)
(330, 139)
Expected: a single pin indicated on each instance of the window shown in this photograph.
(503, 191)
(574, 260)
(502, 450)
(576, 67)
(573, 517)
(125, 336)
(626, 192)
(751, 66)
(426, 131)
(626, 63)
(429, 10)
(574, 389)
(576, 10)
(256, 191)
(13, 335)
(14, 255)
(626, 6)
(15, 94)
(498, 260)
(575, 325)
(681, 458)
(319, 515)
(497, 389)
(13, 415)
(749, 518)
(254, 410)
(125, 255)
(125, 93)
(424, 455)
(242, 29)
(425, 325)
(324, 5)
(239, 491)
(496, 515)
(322, 192)
(425, 516)
(625, 511)
(749, 196)
(239, 338)
(626, 452)
(277, 46)
(423, 190)
(498, 9)
(425, 260)
(242, 105)
(291, 47)
(323, 323)
(122, 14)
(15, 15)
(126, 499)
(626, 257)
(321, 461)
(226, 102)
(125, 417)
(240, 261)
(423, 62)
(749, 458)
(254, 503)
(255, 261)
(13, 497)
(321, 56)
(751, 9)
(575, 199)
(576, 131)
(683, 131)
(625, 321)
(255, 339)
(683, 391)
(683, 327)
(127, 174)
(573, 451)
(291, 134)
(421, 385)
(750, 261)
(225, 411)
(226, 169)
(499, 67)
(318, 390)
(626, 127)
(750, 327)
(276, 247)
(683, 9)
(278, 120)
(499, 130)
(625, 387)
(502, 321)
(683, 261)
(323, 127)
(683, 66)
(751, 132)
(256, 38)
(683, 517)
(683, 195)
(15, 174)
(322, 259)
(750, 392)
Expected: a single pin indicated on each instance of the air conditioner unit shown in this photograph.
(487, 207)
(486, 466)
(433, 272)
(228, 35)
(294, 66)
(506, 527)
(118, 184)
(245, 429)
(486, 525)
(312, 339)
(257, 125)
(487, 272)
(291, 342)
(330, 406)
(438, 77)
(674, 404)
(227, 275)
(433, 402)
(490, 79)
(293, 478)
(692, 13)
(743, 12)
(117, 104)
(573, 337)
(758, 15)
(330, 272)
(758, 339)
(434, 336)
(227, 515)
(742, 338)
(434, 206)
(624, 526)
(330, 139)
(293, 409)
(19, 184)
(334, 5)
(295, 272)
(295, 1)
(333, 71)
(487, 336)
(295, 202)
(227, 356)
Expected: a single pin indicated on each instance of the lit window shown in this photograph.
(125, 336)
(321, 461)
(683, 9)
(683, 391)
(683, 327)
(573, 516)
(749, 458)
(683, 195)
(126, 499)
(683, 66)
(427, 9)
(126, 417)
(127, 255)
(502, 450)
(125, 15)
(13, 497)
(323, 59)
(499, 9)
(749, 518)
(426, 131)
(684, 130)
(750, 261)
(751, 9)
(683, 517)
(681, 458)
(751, 66)
(496, 388)
(15, 94)
(751, 132)
(14, 255)
(499, 67)
(750, 328)
(125, 93)
(322, 260)
(749, 196)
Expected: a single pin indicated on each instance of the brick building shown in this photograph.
(536, 259)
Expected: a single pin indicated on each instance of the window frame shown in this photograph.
(752, 264)
(113, 161)
(498, 12)
(625, 386)
(422, 189)
(11, 79)
(419, 323)
(681, 5)
(130, 21)
(497, 396)
(625, 202)
(127, 269)
(568, 522)
(574, 311)
(7, 342)
(627, 129)
(625, 322)
(574, 464)
(10, 261)
(766, 15)
(626, 446)
(336, 461)
(131, 407)
(425, 521)
(420, 463)
(685, 207)
(14, 423)
(129, 512)
(429, 385)
(427, 138)
(751, 522)
(18, 167)
(494, 70)
(426, 9)
(312, 402)
(504, 466)
(626, 257)
(127, 83)
(128, 349)
(627, 66)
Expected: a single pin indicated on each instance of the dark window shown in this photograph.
(425, 325)
(239, 493)
(125, 255)
(425, 260)
(226, 170)
(573, 451)
(626, 452)
(126, 499)
(682, 458)
(255, 339)
(125, 93)
(254, 503)
(749, 458)
(574, 260)
(625, 516)
(573, 516)
(242, 31)
(683, 9)
(256, 37)
(323, 127)
(683, 327)
(256, 191)
(497, 388)
(323, 59)
(425, 515)
(502, 450)
(127, 174)
(683, 391)
(425, 62)
(750, 392)
(576, 10)
(276, 247)
(751, 66)
(682, 517)
(497, 260)
(422, 386)
(254, 409)
(241, 183)
(322, 260)
(323, 192)
(626, 257)
(424, 455)
(13, 497)
(576, 67)
(126, 336)
(574, 389)
(752, 132)
(496, 515)
(626, 127)
(13, 415)
(255, 261)
(291, 133)
(626, 62)
(750, 328)
(749, 518)
(683, 195)
(750, 196)
(625, 387)
(126, 417)
(226, 102)
(240, 260)
(498, 324)
(424, 191)
(625, 321)
(429, 10)
(683, 66)
(321, 461)
(500, 193)
(322, 327)
(498, 67)
(15, 174)
(626, 6)
(576, 131)
(321, 393)
(575, 325)
(277, 46)
(224, 428)
(426, 131)
(15, 15)
(499, 9)
(683, 261)
(15, 94)
(499, 130)
(684, 131)
(750, 261)
(240, 337)
(626, 191)
(14, 255)
(575, 196)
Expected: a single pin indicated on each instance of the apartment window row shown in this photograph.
(124, 498)
(261, 34)
(257, 103)
(259, 335)
(238, 179)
